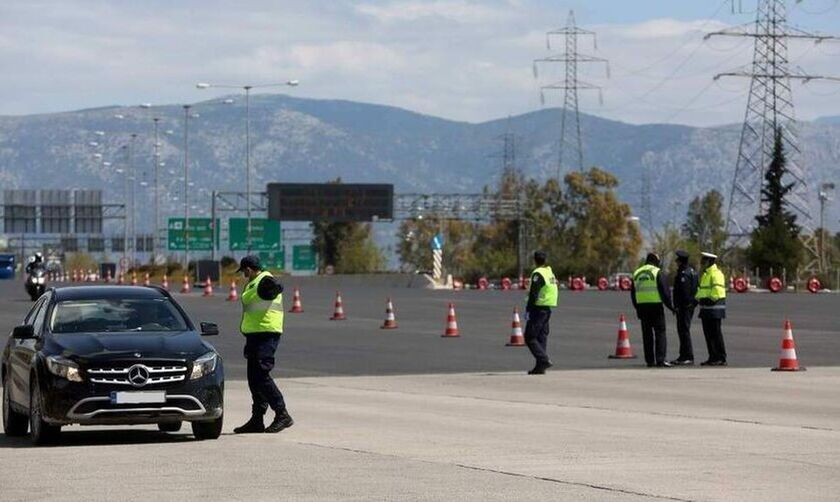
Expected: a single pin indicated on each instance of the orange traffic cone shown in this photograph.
(787, 360)
(165, 283)
(623, 350)
(134, 278)
(120, 279)
(232, 294)
(75, 276)
(185, 287)
(338, 315)
(107, 277)
(297, 306)
(390, 320)
(208, 287)
(516, 338)
(451, 324)
(146, 281)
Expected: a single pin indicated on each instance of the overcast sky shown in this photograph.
(458, 59)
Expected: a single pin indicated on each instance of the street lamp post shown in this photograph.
(186, 188)
(824, 188)
(247, 88)
(156, 233)
(133, 195)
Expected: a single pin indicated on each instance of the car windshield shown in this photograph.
(116, 315)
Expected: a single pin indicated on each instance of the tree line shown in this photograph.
(584, 228)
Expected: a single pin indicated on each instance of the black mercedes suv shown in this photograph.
(110, 355)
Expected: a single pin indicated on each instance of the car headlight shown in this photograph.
(64, 368)
(41, 280)
(204, 365)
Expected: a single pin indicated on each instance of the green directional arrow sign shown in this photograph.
(265, 234)
(273, 259)
(200, 234)
(303, 257)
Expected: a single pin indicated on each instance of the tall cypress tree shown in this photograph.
(775, 241)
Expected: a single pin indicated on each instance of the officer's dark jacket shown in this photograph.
(269, 288)
(685, 287)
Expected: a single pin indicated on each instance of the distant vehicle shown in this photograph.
(36, 282)
(110, 355)
(7, 266)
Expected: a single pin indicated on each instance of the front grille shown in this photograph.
(154, 374)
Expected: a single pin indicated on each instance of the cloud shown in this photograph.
(452, 10)
(667, 28)
(460, 59)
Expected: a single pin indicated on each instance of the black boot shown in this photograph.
(540, 368)
(281, 421)
(254, 425)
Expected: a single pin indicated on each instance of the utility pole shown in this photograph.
(156, 233)
(770, 107)
(571, 138)
(512, 174)
(133, 195)
(187, 189)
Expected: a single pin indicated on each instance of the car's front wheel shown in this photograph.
(42, 432)
(14, 423)
(208, 430)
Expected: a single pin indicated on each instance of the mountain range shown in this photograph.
(309, 140)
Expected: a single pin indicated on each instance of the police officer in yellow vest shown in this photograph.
(542, 297)
(711, 295)
(262, 325)
(650, 294)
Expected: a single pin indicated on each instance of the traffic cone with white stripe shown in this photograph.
(120, 279)
(338, 315)
(208, 287)
(147, 281)
(390, 320)
(232, 294)
(185, 287)
(134, 278)
(451, 324)
(165, 283)
(107, 277)
(516, 337)
(297, 306)
(787, 359)
(623, 350)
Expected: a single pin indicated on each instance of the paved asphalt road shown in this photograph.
(583, 329)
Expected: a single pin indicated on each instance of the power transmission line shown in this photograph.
(571, 139)
(770, 107)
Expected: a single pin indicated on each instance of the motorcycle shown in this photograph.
(36, 283)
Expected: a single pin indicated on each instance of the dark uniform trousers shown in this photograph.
(714, 338)
(653, 336)
(259, 353)
(536, 334)
(684, 316)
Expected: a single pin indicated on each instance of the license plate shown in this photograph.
(146, 397)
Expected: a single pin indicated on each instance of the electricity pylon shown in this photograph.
(571, 139)
(770, 107)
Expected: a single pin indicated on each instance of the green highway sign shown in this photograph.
(273, 259)
(200, 234)
(303, 257)
(265, 234)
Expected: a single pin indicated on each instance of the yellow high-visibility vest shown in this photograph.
(548, 293)
(258, 315)
(644, 282)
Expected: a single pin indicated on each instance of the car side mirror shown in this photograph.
(209, 329)
(23, 332)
